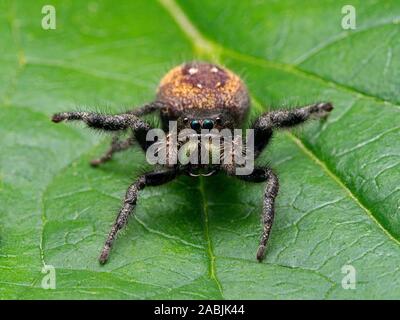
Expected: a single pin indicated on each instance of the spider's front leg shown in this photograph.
(270, 193)
(104, 121)
(117, 145)
(268, 122)
(148, 179)
(110, 123)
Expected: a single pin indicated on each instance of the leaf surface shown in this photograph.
(196, 238)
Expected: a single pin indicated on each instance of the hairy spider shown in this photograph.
(197, 95)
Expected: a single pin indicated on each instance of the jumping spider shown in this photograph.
(197, 95)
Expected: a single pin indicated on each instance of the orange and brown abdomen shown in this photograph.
(200, 85)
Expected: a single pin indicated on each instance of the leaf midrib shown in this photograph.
(211, 49)
(290, 68)
(210, 251)
(21, 58)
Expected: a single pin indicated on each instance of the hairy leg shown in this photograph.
(103, 121)
(268, 122)
(116, 146)
(270, 193)
(114, 123)
(148, 179)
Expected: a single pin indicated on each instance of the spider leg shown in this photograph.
(110, 123)
(103, 121)
(116, 146)
(270, 192)
(148, 179)
(268, 122)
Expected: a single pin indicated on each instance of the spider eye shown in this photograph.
(185, 120)
(218, 120)
(208, 124)
(195, 124)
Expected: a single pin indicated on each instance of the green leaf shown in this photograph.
(197, 238)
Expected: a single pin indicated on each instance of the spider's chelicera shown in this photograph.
(209, 148)
(205, 102)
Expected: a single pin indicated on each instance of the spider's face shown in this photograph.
(206, 119)
(206, 145)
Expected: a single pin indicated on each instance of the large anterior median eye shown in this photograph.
(195, 124)
(208, 124)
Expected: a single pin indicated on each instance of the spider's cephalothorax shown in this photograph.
(198, 96)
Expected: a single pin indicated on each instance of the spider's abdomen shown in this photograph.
(201, 85)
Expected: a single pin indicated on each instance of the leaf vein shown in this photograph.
(212, 50)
